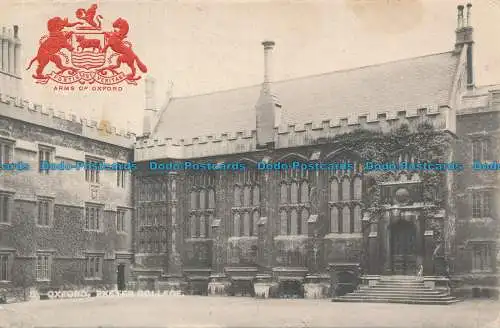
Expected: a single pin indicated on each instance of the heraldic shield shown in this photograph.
(84, 53)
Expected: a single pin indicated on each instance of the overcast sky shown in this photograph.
(210, 45)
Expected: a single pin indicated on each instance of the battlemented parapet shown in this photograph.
(290, 136)
(24, 110)
(483, 99)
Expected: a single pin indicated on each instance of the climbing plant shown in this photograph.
(425, 143)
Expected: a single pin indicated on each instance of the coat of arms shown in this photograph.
(83, 53)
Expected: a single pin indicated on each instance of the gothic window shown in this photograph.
(346, 220)
(246, 224)
(284, 193)
(357, 219)
(357, 188)
(334, 190)
(294, 193)
(194, 200)
(210, 222)
(237, 196)
(203, 199)
(203, 226)
(283, 223)
(256, 195)
(334, 219)
(304, 193)
(346, 189)
(236, 226)
(294, 223)
(192, 226)
(256, 218)
(164, 191)
(305, 219)
(247, 195)
(173, 190)
(211, 198)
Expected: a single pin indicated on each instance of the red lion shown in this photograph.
(52, 44)
(115, 40)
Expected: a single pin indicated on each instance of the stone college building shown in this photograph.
(319, 229)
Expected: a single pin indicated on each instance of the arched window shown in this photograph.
(357, 219)
(305, 223)
(304, 192)
(346, 189)
(211, 198)
(255, 223)
(284, 193)
(210, 222)
(334, 219)
(247, 196)
(203, 227)
(256, 195)
(357, 188)
(237, 196)
(173, 189)
(164, 191)
(194, 200)
(203, 199)
(283, 223)
(192, 226)
(236, 226)
(334, 190)
(294, 193)
(294, 223)
(246, 224)
(346, 220)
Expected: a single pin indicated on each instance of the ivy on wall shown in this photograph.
(424, 143)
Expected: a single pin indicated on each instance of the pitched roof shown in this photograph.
(404, 84)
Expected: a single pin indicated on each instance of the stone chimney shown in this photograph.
(265, 108)
(150, 109)
(464, 39)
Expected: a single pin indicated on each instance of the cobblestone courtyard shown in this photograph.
(192, 311)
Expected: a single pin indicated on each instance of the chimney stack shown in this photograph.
(150, 106)
(265, 109)
(268, 52)
(465, 40)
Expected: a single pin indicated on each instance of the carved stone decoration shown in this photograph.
(402, 196)
(94, 192)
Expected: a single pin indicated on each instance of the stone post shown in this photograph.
(385, 242)
(219, 283)
(428, 250)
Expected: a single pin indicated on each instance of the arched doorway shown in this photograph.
(403, 248)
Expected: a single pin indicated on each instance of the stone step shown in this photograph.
(389, 295)
(428, 297)
(399, 278)
(437, 301)
(410, 283)
(398, 292)
(395, 288)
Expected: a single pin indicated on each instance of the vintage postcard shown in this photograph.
(245, 163)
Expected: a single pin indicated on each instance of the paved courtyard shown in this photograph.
(193, 311)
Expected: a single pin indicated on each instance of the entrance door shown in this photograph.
(403, 249)
(120, 279)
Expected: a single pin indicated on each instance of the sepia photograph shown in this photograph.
(249, 163)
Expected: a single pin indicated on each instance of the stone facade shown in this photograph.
(262, 233)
